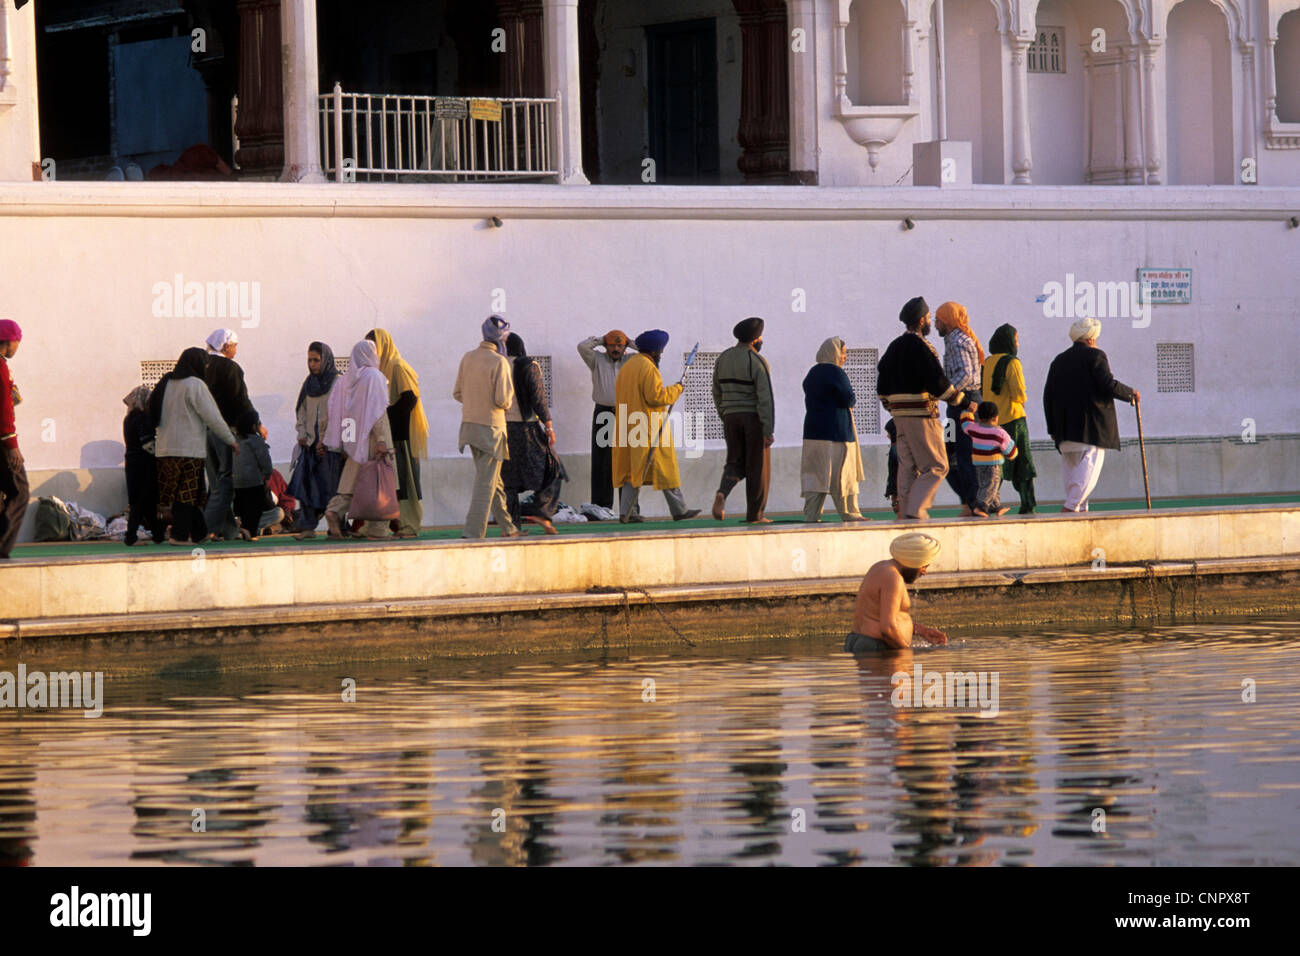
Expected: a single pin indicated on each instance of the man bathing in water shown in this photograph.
(881, 621)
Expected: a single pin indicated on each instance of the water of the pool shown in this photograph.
(1174, 745)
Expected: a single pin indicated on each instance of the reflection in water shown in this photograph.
(779, 753)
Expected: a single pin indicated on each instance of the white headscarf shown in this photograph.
(831, 351)
(1085, 329)
(219, 339)
(360, 396)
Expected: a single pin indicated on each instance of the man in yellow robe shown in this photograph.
(641, 432)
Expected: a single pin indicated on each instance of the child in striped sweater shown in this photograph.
(990, 447)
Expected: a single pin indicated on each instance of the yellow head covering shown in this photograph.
(915, 550)
(402, 378)
(953, 315)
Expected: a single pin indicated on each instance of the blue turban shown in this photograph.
(656, 340)
(495, 330)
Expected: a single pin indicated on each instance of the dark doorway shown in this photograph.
(682, 77)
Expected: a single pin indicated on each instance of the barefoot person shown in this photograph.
(881, 621)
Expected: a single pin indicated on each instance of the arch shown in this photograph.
(1135, 14)
(999, 11)
(873, 49)
(1232, 14)
(1199, 93)
(1286, 66)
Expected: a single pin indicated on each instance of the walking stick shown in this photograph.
(649, 458)
(1146, 484)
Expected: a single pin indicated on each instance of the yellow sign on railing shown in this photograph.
(489, 110)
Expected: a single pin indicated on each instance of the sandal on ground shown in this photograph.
(334, 525)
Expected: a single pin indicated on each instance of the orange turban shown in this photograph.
(615, 338)
(953, 315)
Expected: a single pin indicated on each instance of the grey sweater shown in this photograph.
(188, 414)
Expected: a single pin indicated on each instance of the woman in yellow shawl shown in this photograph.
(409, 426)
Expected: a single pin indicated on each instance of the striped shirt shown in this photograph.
(961, 361)
(990, 445)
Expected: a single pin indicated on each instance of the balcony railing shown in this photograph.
(385, 137)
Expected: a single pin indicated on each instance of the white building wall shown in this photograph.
(81, 262)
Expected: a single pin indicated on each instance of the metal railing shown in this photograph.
(388, 137)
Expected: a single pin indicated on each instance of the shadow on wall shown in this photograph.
(102, 454)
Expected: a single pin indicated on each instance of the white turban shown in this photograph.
(219, 339)
(1085, 329)
(915, 550)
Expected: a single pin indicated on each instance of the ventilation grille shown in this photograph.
(545, 362)
(697, 398)
(1174, 367)
(153, 369)
(860, 366)
(342, 364)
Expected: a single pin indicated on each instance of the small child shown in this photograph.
(251, 471)
(990, 447)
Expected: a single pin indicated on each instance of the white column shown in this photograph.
(802, 15)
(1021, 162)
(5, 59)
(909, 39)
(940, 98)
(301, 99)
(20, 132)
(1134, 165)
(1249, 136)
(1087, 115)
(1150, 109)
(1270, 82)
(840, 66)
(560, 39)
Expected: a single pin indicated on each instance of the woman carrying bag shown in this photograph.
(314, 478)
(358, 426)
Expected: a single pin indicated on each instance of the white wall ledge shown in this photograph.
(647, 202)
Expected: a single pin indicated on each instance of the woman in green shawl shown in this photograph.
(1003, 383)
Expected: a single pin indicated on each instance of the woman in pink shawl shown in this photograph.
(358, 426)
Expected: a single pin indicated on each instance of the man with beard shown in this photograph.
(911, 383)
(881, 618)
(742, 394)
(645, 453)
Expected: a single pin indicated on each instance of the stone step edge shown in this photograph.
(108, 624)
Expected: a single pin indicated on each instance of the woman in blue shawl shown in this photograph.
(316, 469)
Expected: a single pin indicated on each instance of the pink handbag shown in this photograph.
(374, 496)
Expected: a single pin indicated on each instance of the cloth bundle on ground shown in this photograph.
(59, 520)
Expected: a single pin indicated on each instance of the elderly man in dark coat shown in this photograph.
(1079, 406)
